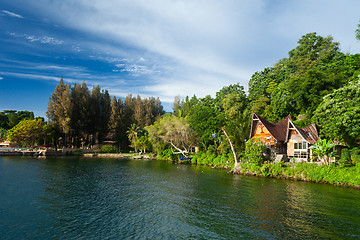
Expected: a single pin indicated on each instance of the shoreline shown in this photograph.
(278, 171)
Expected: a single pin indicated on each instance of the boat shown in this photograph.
(185, 158)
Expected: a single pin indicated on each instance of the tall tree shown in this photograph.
(339, 115)
(357, 32)
(59, 109)
(139, 112)
(80, 113)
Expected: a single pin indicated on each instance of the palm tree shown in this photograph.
(323, 150)
(133, 135)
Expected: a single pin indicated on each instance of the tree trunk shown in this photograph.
(236, 165)
(180, 151)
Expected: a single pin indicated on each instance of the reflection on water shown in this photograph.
(71, 198)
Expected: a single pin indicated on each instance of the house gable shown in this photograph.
(284, 136)
(267, 132)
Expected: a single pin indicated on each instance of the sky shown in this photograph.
(160, 48)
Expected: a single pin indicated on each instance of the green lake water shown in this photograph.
(89, 198)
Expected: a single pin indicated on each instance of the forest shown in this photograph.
(315, 83)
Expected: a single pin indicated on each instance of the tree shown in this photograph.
(27, 132)
(139, 112)
(205, 120)
(339, 115)
(143, 143)
(258, 84)
(3, 133)
(174, 131)
(59, 109)
(323, 150)
(133, 133)
(236, 165)
(297, 84)
(237, 118)
(80, 113)
(357, 32)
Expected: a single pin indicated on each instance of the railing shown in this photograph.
(301, 154)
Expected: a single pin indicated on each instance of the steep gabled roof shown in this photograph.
(280, 130)
(277, 130)
(308, 133)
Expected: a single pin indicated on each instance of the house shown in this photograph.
(284, 139)
(7, 144)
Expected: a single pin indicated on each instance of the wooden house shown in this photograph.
(284, 139)
(7, 144)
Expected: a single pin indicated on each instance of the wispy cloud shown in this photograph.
(33, 76)
(42, 39)
(1, 78)
(167, 48)
(11, 14)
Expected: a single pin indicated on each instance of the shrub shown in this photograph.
(345, 156)
(167, 155)
(108, 149)
(254, 151)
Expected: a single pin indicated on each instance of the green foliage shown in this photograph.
(345, 157)
(254, 151)
(3, 133)
(108, 149)
(86, 117)
(173, 131)
(143, 143)
(339, 115)
(133, 133)
(211, 159)
(9, 118)
(27, 132)
(350, 156)
(205, 121)
(306, 171)
(323, 150)
(297, 84)
(357, 32)
(167, 154)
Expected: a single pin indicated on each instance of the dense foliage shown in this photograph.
(82, 117)
(344, 175)
(10, 118)
(339, 115)
(315, 83)
(29, 132)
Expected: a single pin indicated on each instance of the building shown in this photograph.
(7, 144)
(284, 139)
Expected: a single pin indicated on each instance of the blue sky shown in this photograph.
(160, 48)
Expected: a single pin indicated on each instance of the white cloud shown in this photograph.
(192, 47)
(1, 78)
(42, 39)
(11, 14)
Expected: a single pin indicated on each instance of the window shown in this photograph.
(302, 145)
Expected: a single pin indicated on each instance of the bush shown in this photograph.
(108, 149)
(345, 157)
(167, 155)
(254, 151)
(355, 157)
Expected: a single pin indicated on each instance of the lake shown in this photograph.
(90, 198)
